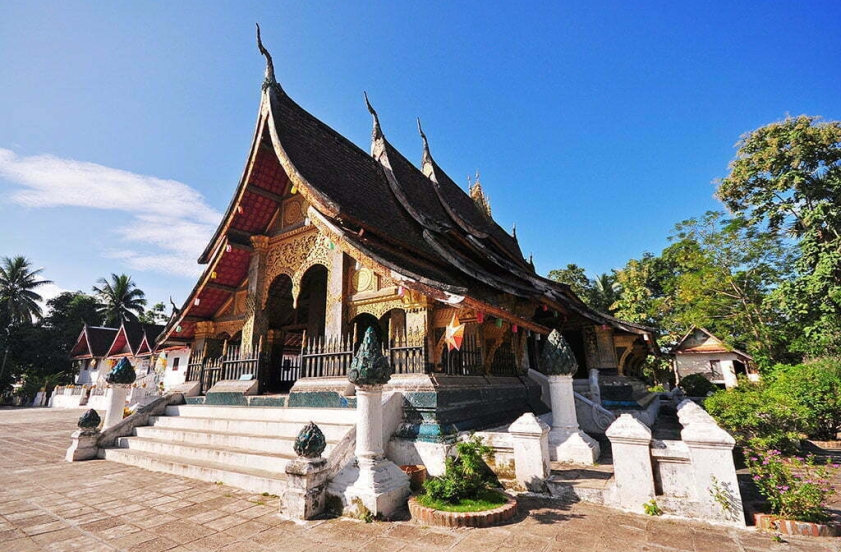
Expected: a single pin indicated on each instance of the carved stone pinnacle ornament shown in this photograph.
(369, 366)
(310, 442)
(89, 421)
(123, 373)
(557, 358)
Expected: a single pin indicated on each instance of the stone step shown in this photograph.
(250, 479)
(332, 432)
(229, 456)
(251, 443)
(300, 416)
(580, 483)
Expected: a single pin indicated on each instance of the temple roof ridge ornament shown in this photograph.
(427, 156)
(270, 80)
(478, 195)
(377, 132)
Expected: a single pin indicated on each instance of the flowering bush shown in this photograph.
(798, 488)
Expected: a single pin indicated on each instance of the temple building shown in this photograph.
(97, 349)
(323, 240)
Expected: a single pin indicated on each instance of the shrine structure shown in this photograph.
(322, 241)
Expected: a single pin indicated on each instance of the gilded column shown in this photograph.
(335, 292)
(256, 324)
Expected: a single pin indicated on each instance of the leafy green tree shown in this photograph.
(816, 387)
(155, 315)
(787, 176)
(120, 299)
(18, 298)
(724, 273)
(67, 312)
(575, 277)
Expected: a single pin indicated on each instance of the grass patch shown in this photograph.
(487, 500)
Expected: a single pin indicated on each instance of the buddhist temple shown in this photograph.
(323, 240)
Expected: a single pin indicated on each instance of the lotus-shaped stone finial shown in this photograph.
(557, 358)
(123, 373)
(310, 442)
(369, 366)
(89, 421)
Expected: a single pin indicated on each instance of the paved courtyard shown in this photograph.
(49, 504)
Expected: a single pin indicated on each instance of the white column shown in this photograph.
(369, 437)
(381, 486)
(567, 443)
(116, 404)
(529, 436)
(630, 440)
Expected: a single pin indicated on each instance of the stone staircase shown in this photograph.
(242, 446)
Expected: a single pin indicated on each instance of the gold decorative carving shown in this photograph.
(362, 280)
(377, 309)
(204, 329)
(260, 243)
(293, 257)
(293, 212)
(230, 327)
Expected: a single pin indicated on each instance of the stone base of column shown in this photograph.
(573, 445)
(305, 494)
(382, 488)
(83, 446)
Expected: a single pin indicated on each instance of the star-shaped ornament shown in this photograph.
(454, 334)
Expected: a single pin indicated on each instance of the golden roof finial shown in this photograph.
(477, 194)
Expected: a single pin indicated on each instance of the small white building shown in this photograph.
(90, 353)
(700, 352)
(173, 361)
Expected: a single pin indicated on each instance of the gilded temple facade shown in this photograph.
(323, 240)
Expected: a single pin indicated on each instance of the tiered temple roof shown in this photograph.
(415, 225)
(93, 342)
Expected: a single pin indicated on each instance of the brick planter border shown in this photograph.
(485, 518)
(768, 522)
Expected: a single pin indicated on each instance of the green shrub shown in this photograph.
(758, 417)
(797, 488)
(696, 385)
(466, 476)
(816, 387)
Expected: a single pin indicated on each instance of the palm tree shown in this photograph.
(120, 299)
(606, 292)
(18, 300)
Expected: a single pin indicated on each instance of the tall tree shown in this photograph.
(787, 175)
(120, 299)
(573, 276)
(67, 312)
(155, 315)
(18, 298)
(605, 293)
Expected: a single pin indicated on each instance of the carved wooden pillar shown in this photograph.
(334, 313)
(256, 323)
(204, 331)
(607, 350)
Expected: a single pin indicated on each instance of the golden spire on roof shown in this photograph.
(477, 194)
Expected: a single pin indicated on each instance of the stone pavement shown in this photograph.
(49, 504)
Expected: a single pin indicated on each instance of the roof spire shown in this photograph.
(378, 131)
(514, 231)
(426, 155)
(478, 195)
(270, 79)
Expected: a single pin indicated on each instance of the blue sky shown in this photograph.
(596, 125)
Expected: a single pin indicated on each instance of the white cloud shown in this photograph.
(47, 292)
(172, 220)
